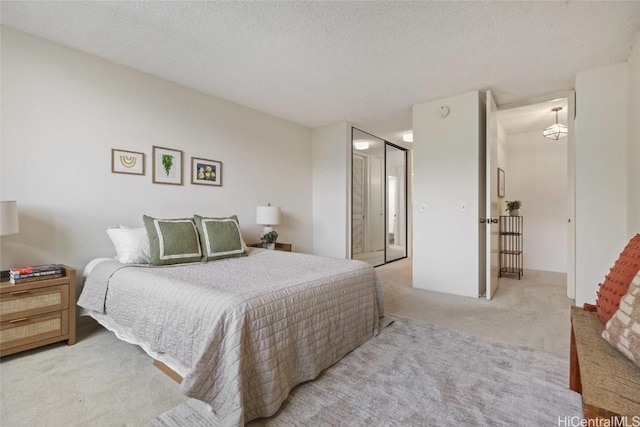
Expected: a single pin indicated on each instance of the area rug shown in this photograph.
(415, 373)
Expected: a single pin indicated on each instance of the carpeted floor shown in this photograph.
(415, 373)
(102, 381)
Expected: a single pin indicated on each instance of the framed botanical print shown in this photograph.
(167, 166)
(206, 172)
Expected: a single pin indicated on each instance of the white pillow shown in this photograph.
(131, 244)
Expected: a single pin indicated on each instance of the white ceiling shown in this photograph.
(321, 62)
(533, 117)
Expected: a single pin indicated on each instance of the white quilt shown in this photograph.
(249, 328)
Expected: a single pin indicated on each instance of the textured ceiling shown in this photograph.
(316, 63)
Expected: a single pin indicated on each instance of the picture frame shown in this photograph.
(501, 183)
(127, 162)
(167, 166)
(206, 172)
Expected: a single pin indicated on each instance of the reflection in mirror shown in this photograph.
(368, 198)
(396, 237)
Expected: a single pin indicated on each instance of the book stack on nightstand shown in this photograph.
(33, 274)
(37, 309)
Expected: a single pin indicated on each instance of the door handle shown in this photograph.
(488, 221)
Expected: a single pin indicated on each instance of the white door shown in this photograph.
(571, 197)
(492, 208)
(358, 204)
(376, 204)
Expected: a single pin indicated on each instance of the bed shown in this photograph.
(241, 332)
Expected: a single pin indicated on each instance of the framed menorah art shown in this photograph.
(129, 162)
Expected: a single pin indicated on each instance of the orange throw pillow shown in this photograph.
(616, 283)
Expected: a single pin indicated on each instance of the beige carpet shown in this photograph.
(102, 381)
(414, 373)
(533, 311)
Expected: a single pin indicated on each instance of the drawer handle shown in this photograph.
(18, 292)
(22, 319)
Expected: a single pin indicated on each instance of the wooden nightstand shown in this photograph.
(286, 247)
(37, 313)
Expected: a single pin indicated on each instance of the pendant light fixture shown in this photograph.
(556, 131)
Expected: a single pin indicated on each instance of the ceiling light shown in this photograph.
(407, 137)
(555, 131)
(361, 144)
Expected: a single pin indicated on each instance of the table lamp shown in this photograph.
(267, 216)
(8, 223)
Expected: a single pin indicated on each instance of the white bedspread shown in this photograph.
(249, 328)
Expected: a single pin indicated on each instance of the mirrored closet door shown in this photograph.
(396, 173)
(378, 204)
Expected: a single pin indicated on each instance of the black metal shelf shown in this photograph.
(511, 247)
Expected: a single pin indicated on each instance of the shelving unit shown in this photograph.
(511, 228)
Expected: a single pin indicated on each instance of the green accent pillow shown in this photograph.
(172, 241)
(220, 237)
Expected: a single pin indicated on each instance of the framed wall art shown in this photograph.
(128, 162)
(500, 182)
(206, 172)
(167, 166)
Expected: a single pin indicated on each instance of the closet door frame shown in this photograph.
(386, 219)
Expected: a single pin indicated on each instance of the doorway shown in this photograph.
(378, 199)
(538, 172)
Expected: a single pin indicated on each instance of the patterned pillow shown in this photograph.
(219, 237)
(623, 330)
(172, 241)
(617, 282)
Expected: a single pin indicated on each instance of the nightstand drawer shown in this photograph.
(17, 332)
(30, 302)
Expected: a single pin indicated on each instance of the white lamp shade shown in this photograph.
(8, 218)
(268, 215)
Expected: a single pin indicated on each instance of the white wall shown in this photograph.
(537, 176)
(62, 113)
(601, 175)
(445, 175)
(331, 192)
(633, 155)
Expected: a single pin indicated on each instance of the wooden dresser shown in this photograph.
(37, 313)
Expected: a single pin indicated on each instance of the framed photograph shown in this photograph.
(500, 183)
(206, 172)
(167, 166)
(129, 162)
